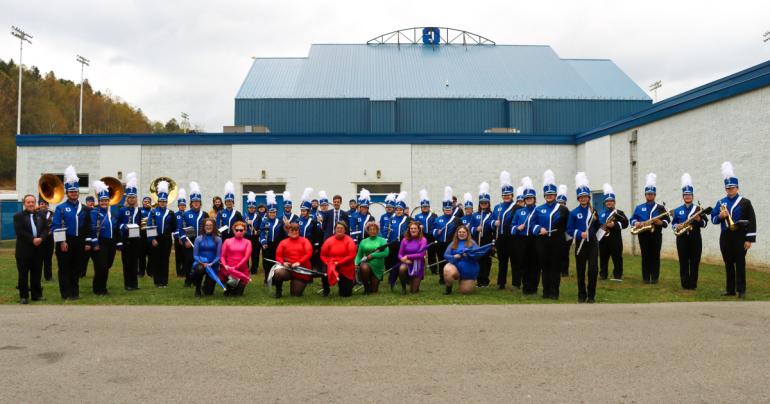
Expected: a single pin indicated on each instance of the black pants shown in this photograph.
(269, 253)
(689, 248)
(89, 256)
(565, 258)
(70, 263)
(589, 254)
(103, 260)
(548, 249)
(187, 260)
(610, 247)
(505, 255)
(143, 255)
(30, 266)
(441, 247)
(485, 265)
(255, 249)
(130, 259)
(202, 282)
(345, 286)
(178, 258)
(46, 249)
(526, 254)
(734, 256)
(159, 260)
(391, 260)
(434, 255)
(650, 245)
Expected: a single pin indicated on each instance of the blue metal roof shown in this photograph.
(387, 72)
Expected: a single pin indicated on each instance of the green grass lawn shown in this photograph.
(631, 290)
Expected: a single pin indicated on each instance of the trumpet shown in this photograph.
(730, 223)
(686, 226)
(647, 225)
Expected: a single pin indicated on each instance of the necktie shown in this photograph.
(32, 222)
(336, 215)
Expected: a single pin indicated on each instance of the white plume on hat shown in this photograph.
(195, 188)
(364, 194)
(401, 197)
(650, 180)
(70, 175)
(505, 178)
(483, 188)
(607, 188)
(286, 196)
(519, 191)
(467, 197)
(270, 197)
(131, 180)
(448, 192)
(322, 195)
(307, 193)
(562, 190)
(581, 179)
(424, 195)
(182, 194)
(526, 182)
(162, 187)
(727, 170)
(392, 197)
(251, 197)
(549, 178)
(686, 180)
(229, 188)
(100, 186)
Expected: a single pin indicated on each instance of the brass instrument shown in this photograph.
(116, 189)
(610, 219)
(172, 190)
(143, 224)
(647, 225)
(686, 226)
(50, 188)
(730, 223)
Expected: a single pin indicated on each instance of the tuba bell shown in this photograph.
(50, 188)
(116, 189)
(172, 190)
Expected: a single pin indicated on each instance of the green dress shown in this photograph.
(377, 263)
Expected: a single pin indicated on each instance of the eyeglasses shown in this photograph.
(239, 230)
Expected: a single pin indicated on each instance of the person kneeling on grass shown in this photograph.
(234, 270)
(462, 256)
(372, 251)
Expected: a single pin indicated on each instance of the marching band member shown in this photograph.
(689, 244)
(314, 207)
(334, 216)
(467, 209)
(46, 248)
(130, 247)
(144, 247)
(271, 232)
(503, 214)
(362, 217)
(370, 258)
(216, 206)
(549, 226)
(339, 253)
(165, 224)
(398, 227)
(411, 254)
(444, 228)
(71, 217)
(650, 241)
(288, 215)
(482, 233)
(190, 227)
(612, 221)
(561, 199)
(251, 217)
(519, 199)
(353, 205)
(735, 215)
(323, 201)
(234, 261)
(90, 255)
(206, 252)
(523, 240)
(31, 228)
(427, 219)
(390, 206)
(462, 257)
(293, 251)
(227, 216)
(102, 239)
(582, 226)
(181, 270)
(309, 227)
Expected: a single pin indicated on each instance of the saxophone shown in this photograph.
(686, 226)
(647, 225)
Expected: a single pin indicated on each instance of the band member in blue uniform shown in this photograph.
(288, 215)
(228, 215)
(164, 221)
(399, 225)
(561, 199)
(189, 228)
(611, 221)
(252, 220)
(582, 226)
(444, 228)
(309, 227)
(362, 217)
(483, 233)
(390, 206)
(90, 255)
(103, 238)
(549, 226)
(427, 220)
(130, 216)
(181, 204)
(524, 241)
(72, 218)
(271, 232)
(144, 246)
(352, 207)
(650, 240)
(503, 214)
(46, 248)
(687, 221)
(735, 216)
(467, 217)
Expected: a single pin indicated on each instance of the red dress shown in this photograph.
(293, 250)
(343, 252)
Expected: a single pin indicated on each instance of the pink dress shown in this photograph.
(235, 259)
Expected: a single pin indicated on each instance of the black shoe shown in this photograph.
(654, 281)
(741, 295)
(198, 294)
(23, 300)
(603, 277)
(38, 299)
(581, 299)
(591, 301)
(728, 294)
(73, 298)
(501, 287)
(278, 294)
(564, 274)
(448, 290)
(554, 297)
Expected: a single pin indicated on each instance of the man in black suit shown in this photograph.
(31, 230)
(332, 216)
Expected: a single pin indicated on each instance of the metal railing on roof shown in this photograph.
(432, 36)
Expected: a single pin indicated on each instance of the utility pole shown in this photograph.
(654, 88)
(83, 63)
(23, 36)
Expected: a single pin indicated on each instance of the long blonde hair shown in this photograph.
(456, 240)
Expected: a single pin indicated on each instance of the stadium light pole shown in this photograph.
(185, 121)
(766, 36)
(83, 63)
(23, 36)
(654, 88)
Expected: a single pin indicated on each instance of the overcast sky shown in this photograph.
(172, 56)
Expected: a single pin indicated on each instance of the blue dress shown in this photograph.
(468, 266)
(207, 249)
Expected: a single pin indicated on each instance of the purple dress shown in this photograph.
(414, 250)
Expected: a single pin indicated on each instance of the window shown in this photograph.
(597, 200)
(260, 190)
(379, 190)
